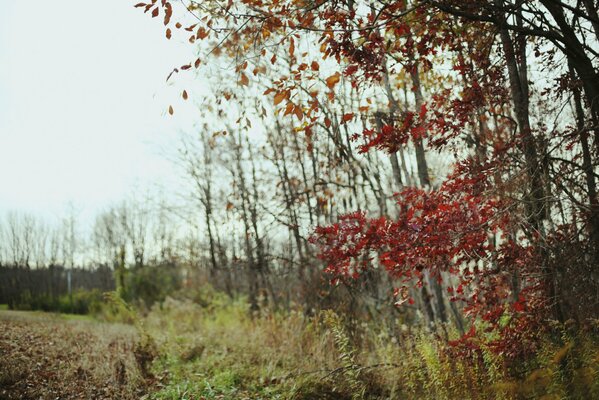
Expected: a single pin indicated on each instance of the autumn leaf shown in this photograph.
(244, 80)
(291, 47)
(279, 97)
(289, 108)
(155, 12)
(347, 117)
(184, 95)
(197, 63)
(139, 5)
(170, 110)
(168, 33)
(202, 33)
(333, 80)
(315, 66)
(168, 13)
(299, 113)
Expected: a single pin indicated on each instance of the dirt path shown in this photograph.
(46, 356)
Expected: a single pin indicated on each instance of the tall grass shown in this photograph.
(220, 350)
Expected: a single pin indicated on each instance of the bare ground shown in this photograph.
(45, 356)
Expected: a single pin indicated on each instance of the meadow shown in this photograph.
(204, 345)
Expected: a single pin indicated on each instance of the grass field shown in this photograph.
(50, 356)
(216, 350)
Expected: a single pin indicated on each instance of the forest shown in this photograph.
(385, 199)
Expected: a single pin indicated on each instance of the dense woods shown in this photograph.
(428, 165)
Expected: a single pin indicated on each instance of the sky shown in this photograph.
(83, 101)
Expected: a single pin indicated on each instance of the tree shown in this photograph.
(500, 220)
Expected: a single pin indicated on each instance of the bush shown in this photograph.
(150, 284)
(79, 302)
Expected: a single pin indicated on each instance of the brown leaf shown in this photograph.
(184, 95)
(170, 110)
(168, 33)
(197, 63)
(289, 108)
(315, 66)
(333, 80)
(298, 112)
(139, 5)
(155, 12)
(244, 80)
(280, 96)
(202, 33)
(168, 13)
(291, 47)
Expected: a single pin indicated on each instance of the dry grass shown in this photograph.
(217, 351)
(46, 356)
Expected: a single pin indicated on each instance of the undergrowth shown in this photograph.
(213, 348)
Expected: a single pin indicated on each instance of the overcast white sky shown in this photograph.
(83, 103)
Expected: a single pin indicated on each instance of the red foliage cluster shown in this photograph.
(457, 233)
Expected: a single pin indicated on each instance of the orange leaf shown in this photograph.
(315, 66)
(289, 108)
(348, 117)
(155, 12)
(168, 33)
(279, 97)
(244, 80)
(333, 80)
(291, 47)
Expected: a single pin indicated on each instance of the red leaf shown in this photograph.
(347, 117)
